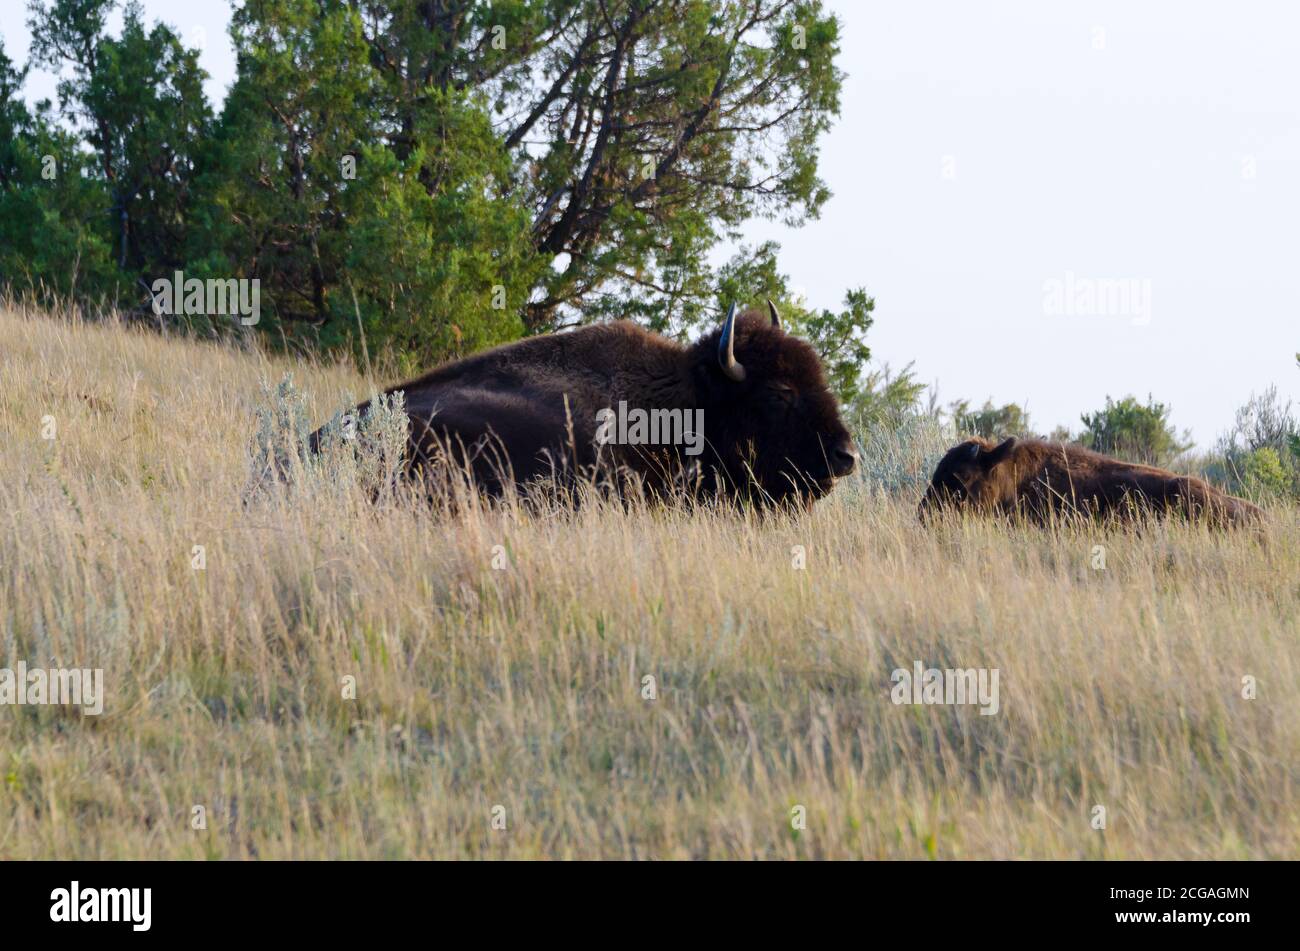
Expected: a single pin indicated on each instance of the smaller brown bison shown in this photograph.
(1041, 480)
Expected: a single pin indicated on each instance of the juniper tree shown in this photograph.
(137, 102)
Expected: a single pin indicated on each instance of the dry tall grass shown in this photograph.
(522, 687)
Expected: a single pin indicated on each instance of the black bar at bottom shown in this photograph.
(1220, 901)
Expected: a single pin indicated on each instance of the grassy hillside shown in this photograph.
(523, 686)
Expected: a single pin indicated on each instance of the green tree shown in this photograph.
(1134, 431)
(427, 178)
(272, 187)
(1264, 475)
(48, 204)
(137, 101)
(447, 271)
(889, 398)
(641, 132)
(417, 253)
(989, 421)
(1261, 453)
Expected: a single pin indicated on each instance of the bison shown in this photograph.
(1041, 480)
(744, 412)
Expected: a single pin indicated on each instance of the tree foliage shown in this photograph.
(1260, 455)
(52, 215)
(431, 177)
(1134, 431)
(989, 421)
(137, 102)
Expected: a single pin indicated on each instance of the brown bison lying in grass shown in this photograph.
(764, 423)
(1043, 480)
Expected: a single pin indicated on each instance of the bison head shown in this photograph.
(771, 423)
(964, 476)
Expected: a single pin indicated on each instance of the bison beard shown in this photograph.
(527, 413)
(1041, 480)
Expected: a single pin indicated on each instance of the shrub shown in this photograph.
(1265, 476)
(1260, 455)
(989, 421)
(898, 456)
(364, 453)
(1130, 430)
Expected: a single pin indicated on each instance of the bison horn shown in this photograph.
(727, 347)
(771, 309)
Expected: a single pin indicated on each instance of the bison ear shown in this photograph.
(1000, 452)
(776, 318)
(727, 348)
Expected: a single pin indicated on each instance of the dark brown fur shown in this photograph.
(1042, 480)
(527, 410)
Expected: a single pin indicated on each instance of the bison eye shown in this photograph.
(784, 392)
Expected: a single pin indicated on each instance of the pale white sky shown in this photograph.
(988, 149)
